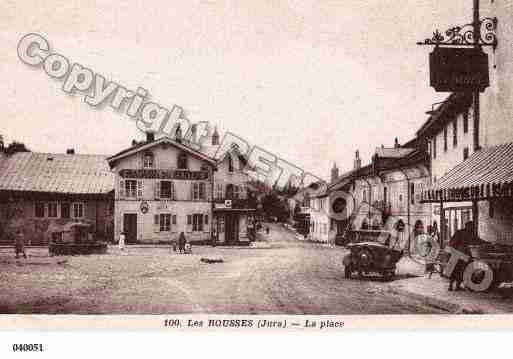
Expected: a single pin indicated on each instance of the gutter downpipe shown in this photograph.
(409, 203)
(370, 195)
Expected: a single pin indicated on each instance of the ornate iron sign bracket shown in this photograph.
(464, 35)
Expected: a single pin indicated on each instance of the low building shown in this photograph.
(41, 191)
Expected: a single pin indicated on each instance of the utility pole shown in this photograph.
(477, 35)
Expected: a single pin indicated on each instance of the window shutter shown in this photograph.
(121, 189)
(189, 223)
(173, 223)
(139, 188)
(156, 223)
(205, 226)
(157, 189)
(173, 191)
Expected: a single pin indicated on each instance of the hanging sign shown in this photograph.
(458, 69)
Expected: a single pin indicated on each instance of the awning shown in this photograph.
(486, 174)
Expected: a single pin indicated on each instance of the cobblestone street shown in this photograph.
(292, 277)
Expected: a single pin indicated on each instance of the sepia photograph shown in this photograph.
(256, 164)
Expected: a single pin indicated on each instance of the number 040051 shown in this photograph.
(27, 347)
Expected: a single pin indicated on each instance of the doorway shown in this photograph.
(130, 227)
(231, 228)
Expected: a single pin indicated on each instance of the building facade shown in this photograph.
(41, 192)
(163, 188)
(470, 159)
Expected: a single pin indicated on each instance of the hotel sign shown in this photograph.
(164, 174)
(458, 69)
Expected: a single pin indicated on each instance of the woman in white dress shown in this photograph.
(121, 243)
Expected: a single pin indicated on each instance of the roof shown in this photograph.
(394, 152)
(146, 145)
(490, 166)
(455, 103)
(56, 173)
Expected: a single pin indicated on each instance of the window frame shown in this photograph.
(128, 191)
(165, 222)
(148, 155)
(55, 206)
(40, 206)
(80, 205)
(172, 192)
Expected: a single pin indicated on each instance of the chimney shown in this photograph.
(215, 137)
(334, 172)
(178, 134)
(70, 151)
(396, 143)
(194, 130)
(150, 136)
(357, 161)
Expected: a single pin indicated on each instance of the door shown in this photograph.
(130, 227)
(231, 228)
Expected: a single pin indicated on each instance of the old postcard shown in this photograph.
(256, 165)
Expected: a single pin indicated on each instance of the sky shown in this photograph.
(311, 81)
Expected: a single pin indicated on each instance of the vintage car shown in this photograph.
(371, 257)
(75, 238)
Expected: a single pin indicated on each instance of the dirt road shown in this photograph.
(291, 277)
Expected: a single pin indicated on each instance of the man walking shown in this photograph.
(20, 244)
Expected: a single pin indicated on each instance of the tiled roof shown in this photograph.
(487, 166)
(145, 145)
(56, 173)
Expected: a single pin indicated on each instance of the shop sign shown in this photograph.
(458, 69)
(164, 174)
(145, 207)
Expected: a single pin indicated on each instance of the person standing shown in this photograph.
(121, 243)
(181, 242)
(20, 244)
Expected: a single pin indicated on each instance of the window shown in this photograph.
(52, 210)
(465, 121)
(182, 161)
(412, 193)
(167, 189)
(491, 209)
(173, 219)
(148, 160)
(455, 133)
(78, 210)
(199, 191)
(364, 196)
(445, 139)
(434, 147)
(465, 153)
(130, 188)
(219, 190)
(206, 219)
(197, 222)
(40, 210)
(165, 222)
(65, 210)
(189, 219)
(230, 164)
(385, 195)
(236, 191)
